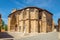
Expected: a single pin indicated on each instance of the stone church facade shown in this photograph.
(30, 20)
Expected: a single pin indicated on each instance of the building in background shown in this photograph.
(1, 25)
(30, 20)
(0, 22)
(59, 24)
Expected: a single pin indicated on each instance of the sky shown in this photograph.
(53, 6)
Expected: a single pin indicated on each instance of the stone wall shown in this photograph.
(32, 20)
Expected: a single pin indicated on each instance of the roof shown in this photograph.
(48, 12)
(30, 7)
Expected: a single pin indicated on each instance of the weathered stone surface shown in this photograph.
(30, 20)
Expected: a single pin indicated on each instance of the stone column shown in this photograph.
(17, 18)
(36, 21)
(44, 22)
(21, 24)
(9, 20)
(21, 20)
(35, 26)
(27, 26)
(27, 21)
(40, 25)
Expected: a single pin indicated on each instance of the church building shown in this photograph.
(30, 20)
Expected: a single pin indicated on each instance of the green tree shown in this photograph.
(5, 27)
(3, 24)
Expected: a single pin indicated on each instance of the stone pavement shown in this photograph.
(32, 36)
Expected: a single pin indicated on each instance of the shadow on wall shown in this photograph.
(5, 35)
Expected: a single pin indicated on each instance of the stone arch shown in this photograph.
(13, 26)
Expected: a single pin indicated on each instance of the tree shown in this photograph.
(4, 26)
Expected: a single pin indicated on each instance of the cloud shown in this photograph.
(28, 1)
(17, 3)
(42, 3)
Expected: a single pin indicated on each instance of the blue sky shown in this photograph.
(6, 6)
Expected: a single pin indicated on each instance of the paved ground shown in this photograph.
(40, 36)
